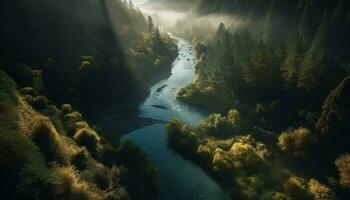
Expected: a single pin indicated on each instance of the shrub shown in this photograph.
(180, 137)
(108, 155)
(343, 166)
(39, 103)
(250, 186)
(28, 91)
(98, 174)
(296, 142)
(88, 138)
(66, 109)
(68, 185)
(215, 125)
(296, 187)
(233, 116)
(80, 159)
(44, 134)
(72, 122)
(23, 172)
(246, 155)
(320, 191)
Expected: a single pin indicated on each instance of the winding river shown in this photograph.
(177, 178)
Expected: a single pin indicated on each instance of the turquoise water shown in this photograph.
(177, 178)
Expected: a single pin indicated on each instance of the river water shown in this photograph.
(177, 178)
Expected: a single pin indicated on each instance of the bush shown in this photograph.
(296, 187)
(66, 109)
(98, 174)
(343, 166)
(80, 159)
(88, 138)
(28, 91)
(72, 122)
(320, 191)
(233, 116)
(215, 125)
(180, 137)
(39, 103)
(296, 142)
(44, 134)
(23, 172)
(68, 185)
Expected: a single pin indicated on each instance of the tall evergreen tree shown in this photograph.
(314, 66)
(262, 72)
(290, 67)
(150, 24)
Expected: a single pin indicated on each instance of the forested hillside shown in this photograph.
(53, 153)
(60, 59)
(282, 76)
(75, 45)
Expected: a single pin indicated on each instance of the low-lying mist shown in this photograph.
(188, 22)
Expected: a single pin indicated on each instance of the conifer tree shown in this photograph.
(150, 24)
(290, 67)
(314, 66)
(262, 72)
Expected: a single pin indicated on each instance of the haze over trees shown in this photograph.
(274, 76)
(285, 69)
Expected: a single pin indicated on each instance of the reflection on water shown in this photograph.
(177, 178)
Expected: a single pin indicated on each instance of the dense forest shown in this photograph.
(272, 90)
(83, 47)
(60, 59)
(277, 77)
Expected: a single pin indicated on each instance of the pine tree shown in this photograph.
(266, 29)
(221, 34)
(262, 72)
(159, 45)
(314, 66)
(150, 24)
(290, 67)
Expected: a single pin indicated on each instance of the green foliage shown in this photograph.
(292, 64)
(221, 126)
(69, 185)
(315, 65)
(296, 187)
(296, 142)
(38, 83)
(335, 112)
(66, 109)
(7, 88)
(343, 165)
(137, 170)
(262, 72)
(72, 122)
(180, 136)
(80, 159)
(200, 48)
(88, 138)
(320, 191)
(44, 134)
(38, 102)
(216, 125)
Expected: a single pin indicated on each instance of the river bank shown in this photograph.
(177, 178)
